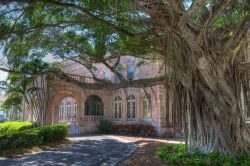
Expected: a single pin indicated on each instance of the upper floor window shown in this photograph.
(131, 107)
(116, 79)
(96, 73)
(147, 107)
(131, 71)
(106, 75)
(117, 108)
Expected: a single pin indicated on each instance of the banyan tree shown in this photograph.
(202, 42)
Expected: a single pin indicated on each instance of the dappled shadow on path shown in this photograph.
(89, 151)
(145, 155)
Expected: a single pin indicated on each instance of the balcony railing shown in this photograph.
(83, 79)
(63, 119)
(92, 118)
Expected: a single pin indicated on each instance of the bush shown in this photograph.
(13, 126)
(134, 129)
(104, 127)
(32, 137)
(175, 154)
(22, 139)
(53, 133)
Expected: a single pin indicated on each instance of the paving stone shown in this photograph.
(85, 151)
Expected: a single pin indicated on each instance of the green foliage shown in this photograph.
(14, 100)
(16, 88)
(56, 67)
(104, 127)
(53, 133)
(175, 154)
(134, 129)
(14, 126)
(32, 137)
(22, 139)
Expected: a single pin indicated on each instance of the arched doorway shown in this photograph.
(68, 113)
(94, 109)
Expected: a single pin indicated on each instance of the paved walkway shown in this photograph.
(85, 151)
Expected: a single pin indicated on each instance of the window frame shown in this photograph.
(131, 72)
(117, 110)
(131, 108)
(148, 109)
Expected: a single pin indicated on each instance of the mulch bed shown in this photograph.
(15, 153)
(145, 153)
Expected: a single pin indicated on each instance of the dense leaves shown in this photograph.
(27, 138)
(14, 126)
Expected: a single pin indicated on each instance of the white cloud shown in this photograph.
(49, 59)
(3, 75)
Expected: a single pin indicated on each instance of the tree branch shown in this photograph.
(195, 7)
(109, 85)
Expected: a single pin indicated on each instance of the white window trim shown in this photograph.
(118, 109)
(130, 108)
(145, 99)
(67, 109)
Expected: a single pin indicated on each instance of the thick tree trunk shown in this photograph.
(217, 123)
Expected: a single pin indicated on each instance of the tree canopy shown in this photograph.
(88, 29)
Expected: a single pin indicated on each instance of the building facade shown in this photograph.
(83, 108)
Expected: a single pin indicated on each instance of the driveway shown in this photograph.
(85, 151)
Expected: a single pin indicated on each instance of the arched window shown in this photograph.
(131, 107)
(117, 108)
(147, 107)
(94, 106)
(67, 110)
(61, 109)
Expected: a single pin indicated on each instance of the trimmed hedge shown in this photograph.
(176, 155)
(13, 126)
(33, 137)
(53, 133)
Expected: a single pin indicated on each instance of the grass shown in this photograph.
(176, 155)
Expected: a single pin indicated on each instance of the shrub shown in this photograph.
(13, 126)
(134, 129)
(32, 137)
(53, 133)
(104, 127)
(21, 139)
(175, 154)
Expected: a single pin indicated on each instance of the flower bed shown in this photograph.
(134, 129)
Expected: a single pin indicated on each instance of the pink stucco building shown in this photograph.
(83, 108)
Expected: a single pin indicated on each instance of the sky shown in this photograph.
(3, 75)
(48, 58)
